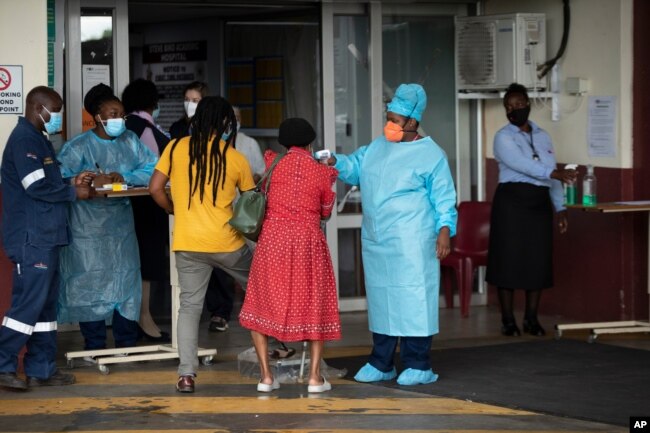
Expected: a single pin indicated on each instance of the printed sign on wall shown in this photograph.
(172, 66)
(11, 89)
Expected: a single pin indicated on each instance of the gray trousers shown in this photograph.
(194, 270)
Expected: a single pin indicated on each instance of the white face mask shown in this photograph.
(190, 108)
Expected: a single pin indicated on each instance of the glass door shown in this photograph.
(418, 46)
(97, 51)
(352, 129)
(376, 46)
(348, 120)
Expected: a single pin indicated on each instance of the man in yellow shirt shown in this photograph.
(205, 172)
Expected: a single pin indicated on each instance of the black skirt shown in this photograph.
(520, 254)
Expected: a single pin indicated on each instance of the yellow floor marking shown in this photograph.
(252, 405)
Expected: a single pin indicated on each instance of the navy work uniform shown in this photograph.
(35, 200)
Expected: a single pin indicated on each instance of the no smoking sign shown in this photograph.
(11, 89)
(5, 79)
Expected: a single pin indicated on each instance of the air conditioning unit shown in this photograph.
(493, 51)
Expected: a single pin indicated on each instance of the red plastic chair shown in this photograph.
(468, 251)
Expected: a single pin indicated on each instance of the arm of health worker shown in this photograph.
(349, 166)
(443, 243)
(144, 168)
(442, 194)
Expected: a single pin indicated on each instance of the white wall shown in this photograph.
(23, 41)
(599, 49)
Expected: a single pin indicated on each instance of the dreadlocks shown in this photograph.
(214, 117)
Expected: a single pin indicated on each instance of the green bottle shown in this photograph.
(589, 187)
(570, 187)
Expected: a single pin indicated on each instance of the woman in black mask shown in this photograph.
(521, 234)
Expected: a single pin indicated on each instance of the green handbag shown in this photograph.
(248, 213)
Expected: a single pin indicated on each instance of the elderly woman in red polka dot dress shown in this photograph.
(291, 293)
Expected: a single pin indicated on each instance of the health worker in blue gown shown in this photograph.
(409, 215)
(100, 269)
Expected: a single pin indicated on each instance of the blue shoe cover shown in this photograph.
(368, 373)
(411, 376)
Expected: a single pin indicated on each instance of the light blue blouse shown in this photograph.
(514, 151)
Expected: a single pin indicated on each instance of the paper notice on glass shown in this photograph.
(91, 75)
(601, 126)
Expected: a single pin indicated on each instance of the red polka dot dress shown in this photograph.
(291, 291)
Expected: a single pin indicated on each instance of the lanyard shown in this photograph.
(532, 146)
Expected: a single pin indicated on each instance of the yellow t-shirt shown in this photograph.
(203, 227)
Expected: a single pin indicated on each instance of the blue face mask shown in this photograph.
(156, 113)
(226, 135)
(114, 127)
(55, 124)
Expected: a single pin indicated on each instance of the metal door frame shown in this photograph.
(73, 85)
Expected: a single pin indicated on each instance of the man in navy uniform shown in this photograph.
(34, 226)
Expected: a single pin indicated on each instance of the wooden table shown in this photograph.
(143, 353)
(623, 326)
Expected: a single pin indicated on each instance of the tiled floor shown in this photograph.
(140, 397)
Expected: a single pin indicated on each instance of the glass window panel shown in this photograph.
(97, 62)
(272, 71)
(351, 280)
(421, 50)
(352, 94)
(97, 38)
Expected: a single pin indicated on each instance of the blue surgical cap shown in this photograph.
(410, 100)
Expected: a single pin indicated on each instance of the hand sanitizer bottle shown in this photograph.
(589, 187)
(570, 187)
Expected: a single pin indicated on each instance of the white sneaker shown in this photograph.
(326, 386)
(265, 387)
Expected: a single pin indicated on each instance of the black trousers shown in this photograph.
(414, 352)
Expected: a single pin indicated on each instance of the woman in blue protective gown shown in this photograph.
(409, 215)
(100, 269)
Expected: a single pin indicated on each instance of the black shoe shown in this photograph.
(57, 379)
(510, 329)
(218, 324)
(10, 380)
(164, 337)
(533, 327)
